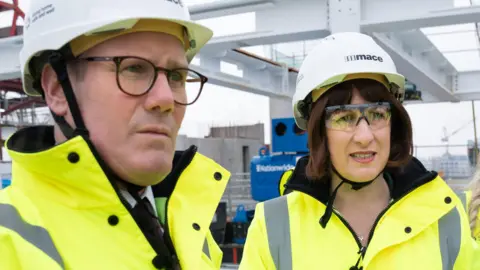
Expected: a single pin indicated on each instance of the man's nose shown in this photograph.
(160, 97)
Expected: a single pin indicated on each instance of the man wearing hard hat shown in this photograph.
(104, 188)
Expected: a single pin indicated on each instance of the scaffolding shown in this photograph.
(17, 109)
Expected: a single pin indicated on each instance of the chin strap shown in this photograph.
(58, 62)
(355, 186)
(59, 65)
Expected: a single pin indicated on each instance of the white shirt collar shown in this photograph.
(147, 193)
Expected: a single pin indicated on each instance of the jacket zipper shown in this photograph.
(110, 175)
(166, 231)
(363, 249)
(357, 240)
(370, 235)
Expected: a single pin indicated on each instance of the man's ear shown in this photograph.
(54, 96)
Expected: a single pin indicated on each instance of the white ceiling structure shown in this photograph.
(435, 43)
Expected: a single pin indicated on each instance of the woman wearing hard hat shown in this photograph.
(359, 200)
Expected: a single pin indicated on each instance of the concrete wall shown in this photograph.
(5, 169)
(232, 153)
(256, 132)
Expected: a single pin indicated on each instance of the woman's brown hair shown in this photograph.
(401, 148)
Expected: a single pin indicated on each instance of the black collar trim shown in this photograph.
(41, 138)
(401, 180)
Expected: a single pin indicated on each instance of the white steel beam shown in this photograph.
(427, 70)
(416, 69)
(260, 76)
(415, 56)
(414, 14)
(293, 20)
(225, 7)
(417, 45)
(262, 38)
(9, 60)
(467, 85)
(286, 21)
(344, 16)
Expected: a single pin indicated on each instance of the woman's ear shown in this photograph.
(54, 96)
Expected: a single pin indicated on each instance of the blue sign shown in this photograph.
(5, 183)
(288, 137)
(266, 172)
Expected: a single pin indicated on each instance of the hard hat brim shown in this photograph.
(198, 33)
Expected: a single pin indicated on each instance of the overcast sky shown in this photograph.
(221, 106)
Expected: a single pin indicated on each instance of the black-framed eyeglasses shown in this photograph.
(136, 76)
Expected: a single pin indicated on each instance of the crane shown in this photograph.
(446, 136)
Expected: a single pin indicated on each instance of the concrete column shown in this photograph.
(280, 107)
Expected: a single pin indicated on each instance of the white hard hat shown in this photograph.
(51, 24)
(338, 58)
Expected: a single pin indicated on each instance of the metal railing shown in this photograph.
(452, 162)
(27, 117)
(238, 192)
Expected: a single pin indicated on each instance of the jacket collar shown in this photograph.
(404, 180)
(74, 175)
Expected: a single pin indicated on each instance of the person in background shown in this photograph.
(471, 201)
(470, 198)
(359, 200)
(104, 187)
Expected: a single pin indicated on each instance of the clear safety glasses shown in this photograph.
(347, 117)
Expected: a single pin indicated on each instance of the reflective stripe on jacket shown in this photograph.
(63, 213)
(423, 228)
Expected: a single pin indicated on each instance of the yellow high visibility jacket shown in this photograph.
(62, 212)
(423, 228)
(283, 181)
